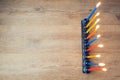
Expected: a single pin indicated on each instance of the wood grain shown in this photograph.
(41, 39)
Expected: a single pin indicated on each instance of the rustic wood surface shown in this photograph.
(41, 39)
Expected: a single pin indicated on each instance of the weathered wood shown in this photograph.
(41, 39)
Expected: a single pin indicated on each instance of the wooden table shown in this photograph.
(41, 39)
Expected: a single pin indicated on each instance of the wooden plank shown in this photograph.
(41, 39)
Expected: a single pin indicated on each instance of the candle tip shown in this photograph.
(100, 45)
(101, 64)
(98, 36)
(97, 20)
(104, 69)
(98, 4)
(97, 27)
(98, 55)
(98, 14)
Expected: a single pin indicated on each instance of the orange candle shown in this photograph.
(94, 69)
(91, 34)
(91, 48)
(94, 47)
(97, 69)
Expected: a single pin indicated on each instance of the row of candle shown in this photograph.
(89, 27)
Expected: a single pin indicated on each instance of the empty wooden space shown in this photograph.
(41, 39)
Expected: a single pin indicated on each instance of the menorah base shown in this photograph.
(85, 67)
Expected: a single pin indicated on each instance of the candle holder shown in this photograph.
(84, 46)
(87, 65)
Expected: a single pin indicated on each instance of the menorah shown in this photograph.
(89, 27)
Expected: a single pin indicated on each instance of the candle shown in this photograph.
(93, 40)
(92, 19)
(91, 34)
(104, 69)
(93, 25)
(97, 69)
(94, 64)
(94, 47)
(101, 64)
(94, 10)
(93, 56)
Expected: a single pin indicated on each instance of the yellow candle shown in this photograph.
(93, 18)
(93, 25)
(93, 56)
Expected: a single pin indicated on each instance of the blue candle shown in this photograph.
(94, 10)
(91, 64)
(93, 40)
(94, 64)
(90, 42)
